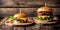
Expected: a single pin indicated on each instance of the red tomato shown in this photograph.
(7, 22)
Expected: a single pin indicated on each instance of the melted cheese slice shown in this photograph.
(23, 19)
(44, 16)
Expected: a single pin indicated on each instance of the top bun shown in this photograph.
(20, 15)
(44, 9)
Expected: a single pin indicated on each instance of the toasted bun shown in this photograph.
(44, 9)
(20, 15)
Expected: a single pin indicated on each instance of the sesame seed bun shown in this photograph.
(44, 9)
(20, 15)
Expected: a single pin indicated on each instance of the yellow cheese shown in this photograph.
(44, 16)
(23, 19)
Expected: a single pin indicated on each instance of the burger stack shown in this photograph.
(20, 18)
(44, 15)
(17, 19)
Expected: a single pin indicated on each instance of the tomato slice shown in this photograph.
(7, 22)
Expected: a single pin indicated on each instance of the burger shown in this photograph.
(18, 19)
(21, 18)
(45, 13)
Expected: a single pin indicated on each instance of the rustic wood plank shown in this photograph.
(29, 3)
(28, 11)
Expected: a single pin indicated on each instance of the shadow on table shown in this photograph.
(25, 25)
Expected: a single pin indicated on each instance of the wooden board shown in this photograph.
(44, 22)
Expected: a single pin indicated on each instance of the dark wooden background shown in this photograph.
(28, 11)
(29, 3)
(11, 7)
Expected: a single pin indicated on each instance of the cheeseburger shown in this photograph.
(21, 17)
(44, 13)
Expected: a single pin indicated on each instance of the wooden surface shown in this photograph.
(45, 22)
(28, 27)
(29, 11)
(29, 3)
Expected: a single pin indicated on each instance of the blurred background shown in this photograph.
(10, 7)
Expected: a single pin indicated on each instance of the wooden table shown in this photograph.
(24, 26)
(32, 27)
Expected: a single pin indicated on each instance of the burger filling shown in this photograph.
(21, 20)
(47, 18)
(45, 15)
